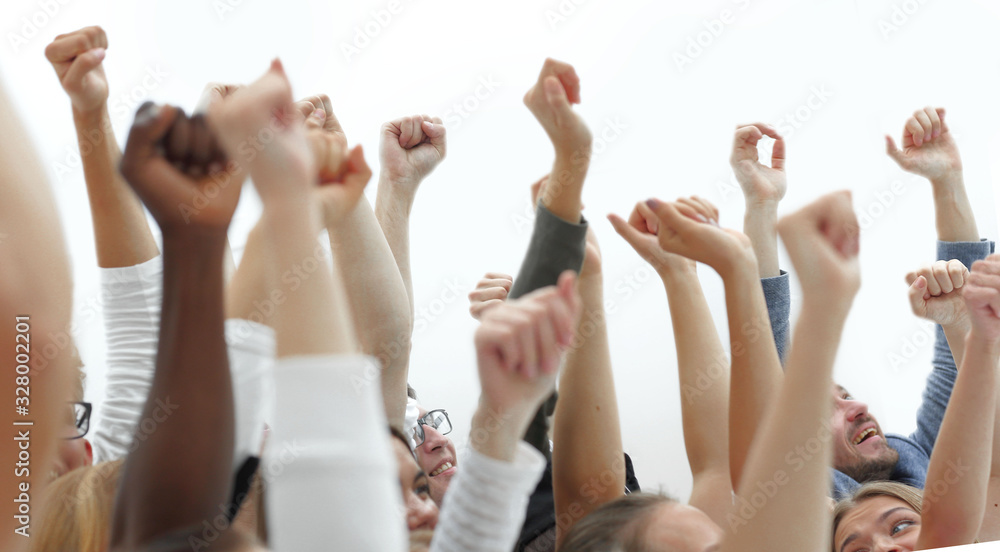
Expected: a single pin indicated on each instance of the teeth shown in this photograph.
(869, 431)
(444, 467)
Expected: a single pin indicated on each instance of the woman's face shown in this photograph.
(878, 523)
(421, 511)
(678, 526)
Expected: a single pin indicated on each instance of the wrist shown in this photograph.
(738, 266)
(949, 183)
(676, 273)
(977, 339)
(497, 431)
(194, 243)
(400, 190)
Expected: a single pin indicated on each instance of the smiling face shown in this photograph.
(421, 511)
(876, 524)
(436, 456)
(859, 446)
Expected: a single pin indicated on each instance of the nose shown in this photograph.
(886, 544)
(433, 439)
(855, 409)
(421, 514)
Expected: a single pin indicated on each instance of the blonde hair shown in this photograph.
(78, 508)
(912, 496)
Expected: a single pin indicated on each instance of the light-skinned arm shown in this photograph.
(700, 357)
(822, 242)
(952, 512)
(121, 231)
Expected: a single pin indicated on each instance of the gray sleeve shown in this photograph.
(942, 377)
(556, 246)
(778, 295)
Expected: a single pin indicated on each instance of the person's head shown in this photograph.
(78, 510)
(644, 521)
(74, 451)
(421, 511)
(859, 446)
(882, 515)
(436, 453)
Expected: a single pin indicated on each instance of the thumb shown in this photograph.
(83, 64)
(894, 152)
(152, 122)
(358, 173)
(631, 235)
(436, 132)
(916, 293)
(555, 94)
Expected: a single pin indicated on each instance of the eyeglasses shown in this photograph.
(437, 419)
(81, 419)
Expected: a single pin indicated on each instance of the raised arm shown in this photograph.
(121, 232)
(179, 474)
(318, 372)
(519, 347)
(954, 496)
(410, 148)
(36, 286)
(586, 425)
(702, 364)
(822, 242)
(379, 301)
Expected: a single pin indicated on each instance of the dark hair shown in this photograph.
(398, 434)
(410, 392)
(618, 526)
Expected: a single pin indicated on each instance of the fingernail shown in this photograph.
(715, 223)
(927, 137)
(319, 114)
(653, 204)
(100, 53)
(701, 217)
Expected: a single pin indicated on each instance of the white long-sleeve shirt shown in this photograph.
(485, 505)
(132, 298)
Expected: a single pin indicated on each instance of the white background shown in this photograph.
(471, 214)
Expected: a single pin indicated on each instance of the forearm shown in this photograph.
(393, 203)
(313, 319)
(760, 225)
(756, 368)
(192, 384)
(799, 419)
(587, 431)
(121, 232)
(378, 300)
(952, 512)
(562, 195)
(703, 370)
(954, 217)
(496, 432)
(956, 334)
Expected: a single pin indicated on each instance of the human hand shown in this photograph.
(822, 240)
(491, 290)
(259, 128)
(520, 344)
(550, 99)
(936, 292)
(411, 147)
(690, 227)
(929, 150)
(760, 183)
(982, 298)
(174, 163)
(641, 233)
(77, 58)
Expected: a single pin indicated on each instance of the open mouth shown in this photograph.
(865, 435)
(445, 466)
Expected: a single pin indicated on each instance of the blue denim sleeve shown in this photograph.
(942, 377)
(779, 302)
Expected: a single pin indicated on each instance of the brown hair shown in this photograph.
(78, 510)
(912, 496)
(618, 526)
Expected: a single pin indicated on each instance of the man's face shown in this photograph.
(436, 456)
(859, 446)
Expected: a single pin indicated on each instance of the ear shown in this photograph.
(90, 452)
